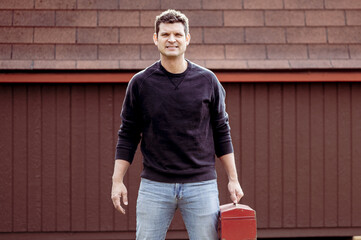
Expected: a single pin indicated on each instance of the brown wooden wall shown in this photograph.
(298, 150)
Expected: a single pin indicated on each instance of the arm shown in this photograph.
(128, 139)
(118, 189)
(222, 140)
(234, 188)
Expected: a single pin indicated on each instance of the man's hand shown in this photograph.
(235, 191)
(234, 188)
(119, 191)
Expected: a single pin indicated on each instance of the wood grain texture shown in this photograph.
(296, 148)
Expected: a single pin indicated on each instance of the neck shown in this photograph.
(174, 65)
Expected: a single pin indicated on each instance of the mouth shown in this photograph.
(171, 47)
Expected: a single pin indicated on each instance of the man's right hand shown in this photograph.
(119, 191)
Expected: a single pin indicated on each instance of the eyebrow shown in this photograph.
(166, 32)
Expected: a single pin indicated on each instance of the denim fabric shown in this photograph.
(157, 203)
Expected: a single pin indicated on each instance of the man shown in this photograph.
(177, 109)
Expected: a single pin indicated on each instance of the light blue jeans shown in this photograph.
(157, 203)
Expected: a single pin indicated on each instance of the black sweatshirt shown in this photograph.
(181, 120)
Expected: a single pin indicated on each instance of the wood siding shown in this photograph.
(298, 150)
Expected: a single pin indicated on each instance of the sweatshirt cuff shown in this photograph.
(224, 149)
(124, 154)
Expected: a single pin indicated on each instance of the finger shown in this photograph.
(125, 198)
(117, 205)
(120, 209)
(116, 200)
(233, 197)
(240, 194)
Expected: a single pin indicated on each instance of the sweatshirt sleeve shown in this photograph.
(221, 129)
(129, 133)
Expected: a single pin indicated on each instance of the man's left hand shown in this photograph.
(235, 191)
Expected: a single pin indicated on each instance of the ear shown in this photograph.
(188, 39)
(155, 39)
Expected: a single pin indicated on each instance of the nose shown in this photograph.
(171, 38)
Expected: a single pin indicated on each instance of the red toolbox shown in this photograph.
(237, 222)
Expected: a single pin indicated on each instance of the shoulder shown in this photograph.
(206, 73)
(215, 84)
(139, 77)
(202, 70)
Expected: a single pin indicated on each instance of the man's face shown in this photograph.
(171, 40)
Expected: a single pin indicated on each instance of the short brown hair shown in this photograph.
(171, 16)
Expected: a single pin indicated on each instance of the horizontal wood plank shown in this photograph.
(234, 77)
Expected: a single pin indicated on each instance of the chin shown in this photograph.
(167, 54)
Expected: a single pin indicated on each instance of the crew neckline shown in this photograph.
(175, 75)
(176, 78)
